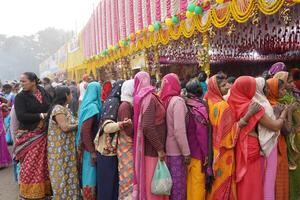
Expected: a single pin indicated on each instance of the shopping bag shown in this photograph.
(162, 181)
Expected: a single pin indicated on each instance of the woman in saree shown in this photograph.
(61, 147)
(199, 173)
(5, 157)
(267, 139)
(294, 139)
(249, 168)
(277, 90)
(291, 100)
(224, 133)
(149, 136)
(106, 143)
(125, 142)
(31, 107)
(177, 147)
(88, 121)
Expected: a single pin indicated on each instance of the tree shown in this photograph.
(20, 54)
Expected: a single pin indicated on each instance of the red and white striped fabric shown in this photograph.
(115, 20)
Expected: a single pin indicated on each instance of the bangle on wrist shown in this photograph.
(243, 121)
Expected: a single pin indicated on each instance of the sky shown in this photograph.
(26, 17)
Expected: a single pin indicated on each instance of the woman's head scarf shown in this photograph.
(282, 76)
(267, 138)
(213, 93)
(170, 87)
(273, 91)
(90, 106)
(112, 103)
(127, 91)
(241, 94)
(277, 67)
(106, 90)
(142, 98)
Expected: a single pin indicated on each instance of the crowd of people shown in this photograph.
(221, 138)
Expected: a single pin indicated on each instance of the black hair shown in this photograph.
(73, 82)
(202, 76)
(296, 75)
(231, 79)
(221, 76)
(7, 87)
(47, 80)
(60, 98)
(193, 87)
(280, 83)
(266, 75)
(32, 77)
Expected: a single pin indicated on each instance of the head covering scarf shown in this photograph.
(90, 106)
(85, 77)
(267, 138)
(242, 92)
(277, 67)
(170, 87)
(204, 87)
(127, 91)
(213, 93)
(273, 91)
(282, 76)
(106, 90)
(142, 97)
(112, 103)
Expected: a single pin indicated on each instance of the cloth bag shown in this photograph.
(162, 181)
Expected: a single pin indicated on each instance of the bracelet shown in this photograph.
(243, 122)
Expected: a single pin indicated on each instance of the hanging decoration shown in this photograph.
(203, 17)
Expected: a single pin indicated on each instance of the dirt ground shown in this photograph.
(8, 187)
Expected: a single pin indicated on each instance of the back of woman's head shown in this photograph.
(60, 95)
(32, 77)
(202, 76)
(193, 87)
(60, 98)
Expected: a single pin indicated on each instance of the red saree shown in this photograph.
(249, 175)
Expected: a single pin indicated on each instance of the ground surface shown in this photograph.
(8, 187)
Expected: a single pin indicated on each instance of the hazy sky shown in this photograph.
(25, 17)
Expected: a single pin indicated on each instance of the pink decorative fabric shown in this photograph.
(168, 5)
(149, 19)
(140, 15)
(170, 87)
(131, 16)
(183, 5)
(157, 10)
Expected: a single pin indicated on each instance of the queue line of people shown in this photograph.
(221, 144)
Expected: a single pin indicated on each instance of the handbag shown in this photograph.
(161, 183)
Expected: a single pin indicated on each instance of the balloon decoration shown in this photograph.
(175, 19)
(132, 36)
(191, 7)
(189, 14)
(151, 28)
(110, 47)
(220, 1)
(156, 26)
(116, 47)
(198, 10)
(168, 21)
(125, 42)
